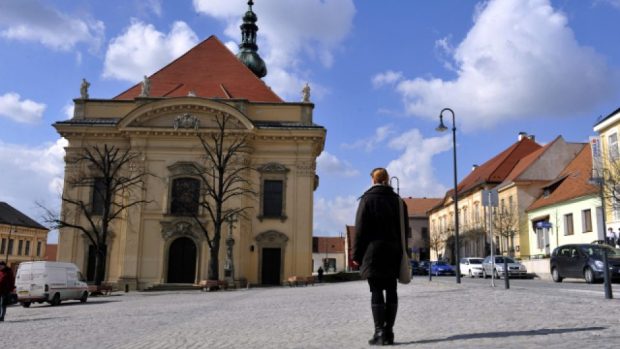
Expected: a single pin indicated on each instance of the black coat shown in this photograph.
(378, 248)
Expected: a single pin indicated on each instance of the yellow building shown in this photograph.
(160, 119)
(21, 238)
(607, 153)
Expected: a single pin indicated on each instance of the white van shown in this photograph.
(50, 282)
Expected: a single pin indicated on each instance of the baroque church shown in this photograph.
(162, 120)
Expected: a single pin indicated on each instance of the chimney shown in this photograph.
(522, 135)
(474, 167)
(532, 138)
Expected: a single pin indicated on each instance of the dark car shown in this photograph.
(424, 265)
(417, 269)
(583, 261)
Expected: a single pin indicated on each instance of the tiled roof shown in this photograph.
(418, 207)
(573, 182)
(11, 216)
(209, 70)
(497, 169)
(327, 244)
(528, 160)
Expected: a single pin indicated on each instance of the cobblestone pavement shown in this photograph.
(438, 314)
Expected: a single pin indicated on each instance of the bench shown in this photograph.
(300, 280)
(212, 285)
(103, 289)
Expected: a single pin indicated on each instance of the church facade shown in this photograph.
(161, 120)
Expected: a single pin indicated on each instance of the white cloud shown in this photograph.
(24, 111)
(368, 144)
(414, 167)
(142, 50)
(68, 110)
(43, 166)
(329, 164)
(614, 3)
(33, 20)
(332, 215)
(389, 77)
(520, 59)
(288, 35)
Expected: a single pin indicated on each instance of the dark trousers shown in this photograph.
(4, 301)
(378, 286)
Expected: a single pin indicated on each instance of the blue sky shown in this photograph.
(380, 72)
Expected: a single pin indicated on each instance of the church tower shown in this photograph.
(248, 50)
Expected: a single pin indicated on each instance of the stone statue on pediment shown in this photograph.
(146, 87)
(84, 89)
(305, 94)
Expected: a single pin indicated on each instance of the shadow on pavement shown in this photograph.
(541, 332)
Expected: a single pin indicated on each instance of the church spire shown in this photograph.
(248, 54)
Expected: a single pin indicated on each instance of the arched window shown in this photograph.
(185, 196)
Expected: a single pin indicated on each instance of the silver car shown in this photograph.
(515, 268)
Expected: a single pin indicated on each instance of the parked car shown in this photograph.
(50, 282)
(441, 268)
(515, 268)
(424, 266)
(416, 269)
(471, 266)
(583, 261)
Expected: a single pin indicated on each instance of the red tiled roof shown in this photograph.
(50, 252)
(574, 181)
(417, 207)
(528, 160)
(327, 244)
(497, 169)
(210, 70)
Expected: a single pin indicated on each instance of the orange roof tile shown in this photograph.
(573, 181)
(327, 244)
(418, 207)
(209, 70)
(497, 169)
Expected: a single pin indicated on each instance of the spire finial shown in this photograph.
(248, 54)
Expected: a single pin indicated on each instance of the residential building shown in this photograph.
(419, 237)
(328, 252)
(607, 156)
(22, 239)
(161, 118)
(521, 187)
(568, 210)
(473, 217)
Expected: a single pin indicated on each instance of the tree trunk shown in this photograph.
(214, 261)
(100, 262)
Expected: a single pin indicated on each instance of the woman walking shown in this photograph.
(378, 250)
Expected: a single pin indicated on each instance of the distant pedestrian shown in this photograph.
(7, 284)
(611, 237)
(320, 272)
(378, 251)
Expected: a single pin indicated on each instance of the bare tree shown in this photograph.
(505, 226)
(111, 173)
(437, 241)
(225, 177)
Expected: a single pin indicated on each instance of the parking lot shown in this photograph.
(436, 314)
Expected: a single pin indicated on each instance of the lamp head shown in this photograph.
(441, 127)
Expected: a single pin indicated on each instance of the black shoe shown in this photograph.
(378, 316)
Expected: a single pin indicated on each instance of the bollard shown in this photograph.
(126, 288)
(506, 274)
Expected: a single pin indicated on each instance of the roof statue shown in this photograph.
(146, 87)
(84, 89)
(248, 54)
(305, 94)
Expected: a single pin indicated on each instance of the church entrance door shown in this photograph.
(182, 261)
(271, 266)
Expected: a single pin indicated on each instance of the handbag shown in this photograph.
(404, 275)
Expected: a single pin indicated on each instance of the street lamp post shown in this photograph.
(442, 128)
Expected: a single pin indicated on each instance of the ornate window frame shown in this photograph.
(178, 170)
(276, 172)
